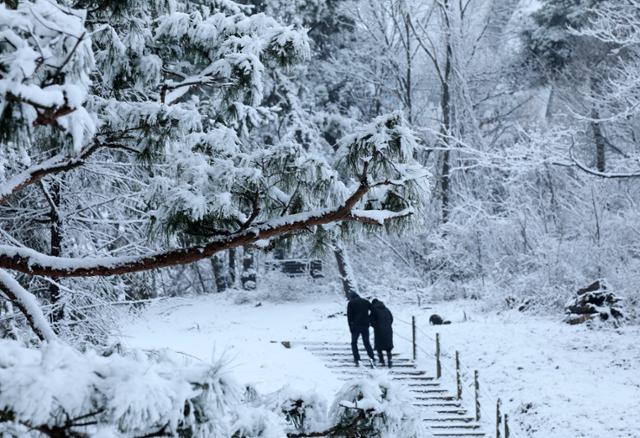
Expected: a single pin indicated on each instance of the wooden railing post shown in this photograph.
(506, 426)
(438, 364)
(458, 377)
(413, 336)
(498, 418)
(476, 385)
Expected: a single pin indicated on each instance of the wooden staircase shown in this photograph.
(442, 412)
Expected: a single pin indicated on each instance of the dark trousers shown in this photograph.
(356, 332)
(381, 357)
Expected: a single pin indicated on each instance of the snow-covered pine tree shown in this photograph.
(174, 91)
(313, 108)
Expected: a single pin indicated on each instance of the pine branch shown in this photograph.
(32, 262)
(57, 164)
(28, 306)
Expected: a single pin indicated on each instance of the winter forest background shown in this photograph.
(429, 151)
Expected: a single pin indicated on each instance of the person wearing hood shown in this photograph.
(358, 318)
(382, 321)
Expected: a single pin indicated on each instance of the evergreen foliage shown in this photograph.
(172, 104)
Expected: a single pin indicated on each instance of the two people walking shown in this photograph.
(361, 314)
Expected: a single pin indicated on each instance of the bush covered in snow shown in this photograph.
(59, 391)
(375, 407)
(57, 388)
(304, 412)
(257, 422)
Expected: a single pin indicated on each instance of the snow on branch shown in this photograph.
(33, 262)
(599, 174)
(379, 217)
(616, 23)
(28, 305)
(131, 394)
(59, 163)
(47, 61)
(388, 148)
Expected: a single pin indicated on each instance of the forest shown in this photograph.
(189, 189)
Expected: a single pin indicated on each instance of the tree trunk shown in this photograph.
(249, 274)
(599, 140)
(445, 106)
(409, 78)
(231, 268)
(349, 284)
(598, 136)
(218, 273)
(55, 231)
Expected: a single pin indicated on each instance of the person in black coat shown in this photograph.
(382, 321)
(358, 318)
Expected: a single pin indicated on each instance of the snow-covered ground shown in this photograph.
(555, 380)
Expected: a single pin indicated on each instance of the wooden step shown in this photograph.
(413, 378)
(446, 416)
(350, 360)
(436, 397)
(346, 352)
(451, 411)
(343, 352)
(449, 419)
(457, 434)
(417, 373)
(431, 390)
(440, 404)
(351, 365)
(460, 426)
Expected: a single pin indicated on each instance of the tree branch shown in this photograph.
(32, 175)
(46, 114)
(32, 262)
(599, 174)
(28, 305)
(57, 164)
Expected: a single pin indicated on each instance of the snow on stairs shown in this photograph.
(442, 412)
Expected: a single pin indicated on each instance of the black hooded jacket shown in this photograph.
(358, 313)
(381, 321)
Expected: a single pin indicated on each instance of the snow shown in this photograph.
(380, 216)
(28, 302)
(185, 86)
(246, 336)
(7, 187)
(555, 380)
(38, 258)
(133, 393)
(58, 42)
(389, 405)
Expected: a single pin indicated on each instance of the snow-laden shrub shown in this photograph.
(304, 412)
(257, 422)
(87, 394)
(375, 407)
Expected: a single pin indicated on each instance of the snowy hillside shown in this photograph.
(555, 380)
